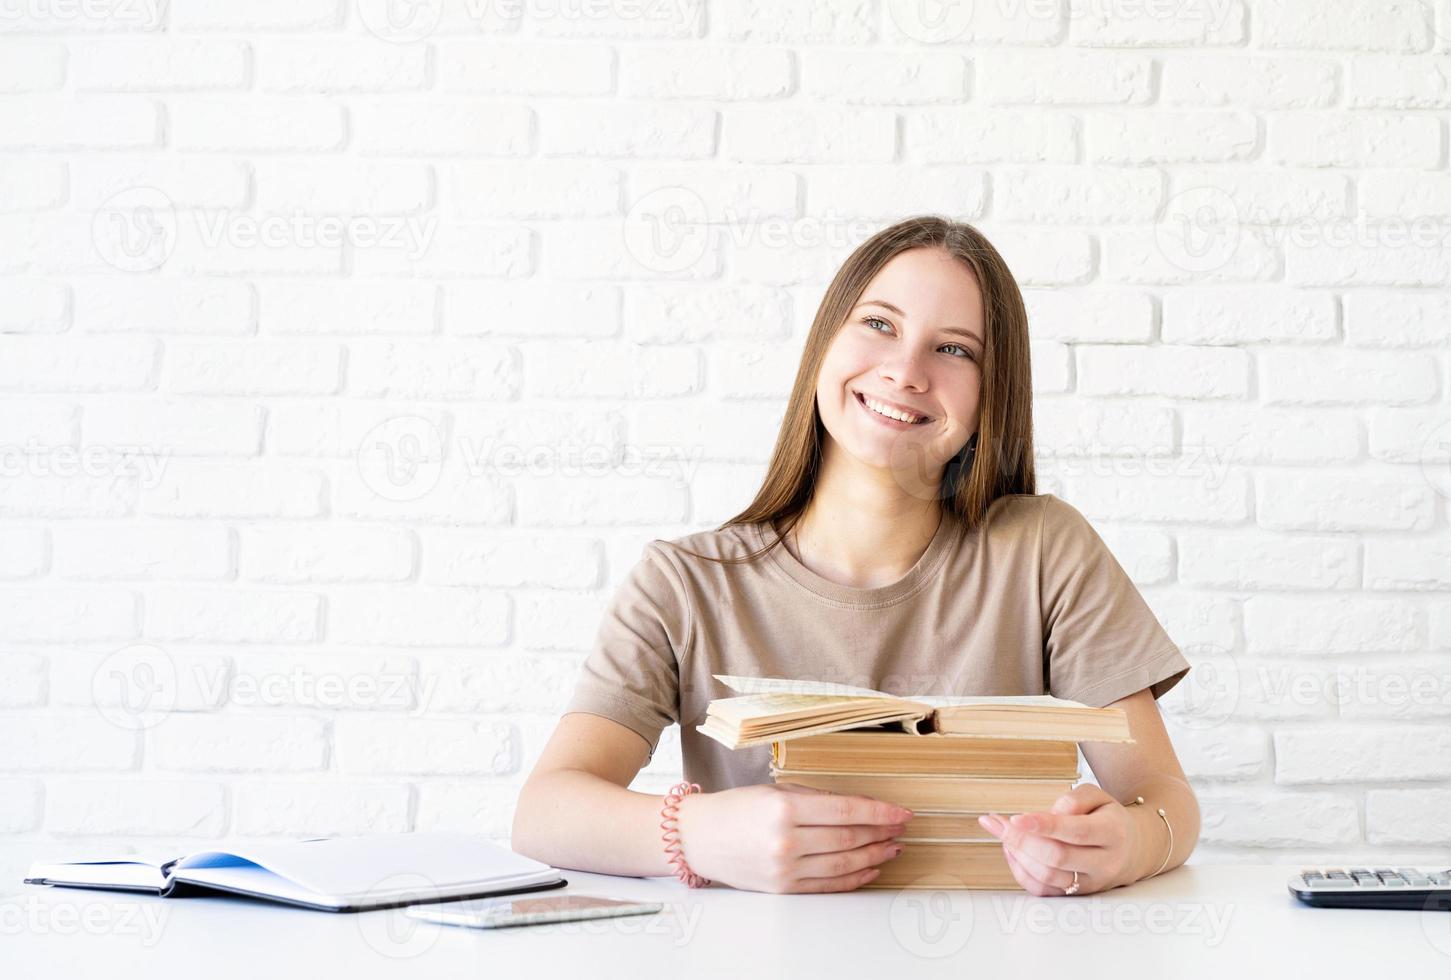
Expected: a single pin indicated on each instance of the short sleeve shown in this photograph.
(632, 674)
(1101, 640)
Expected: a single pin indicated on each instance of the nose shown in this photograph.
(905, 370)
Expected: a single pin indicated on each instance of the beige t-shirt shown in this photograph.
(1032, 602)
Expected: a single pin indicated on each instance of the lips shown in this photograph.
(922, 417)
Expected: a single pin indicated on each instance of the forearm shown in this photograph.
(1152, 838)
(573, 819)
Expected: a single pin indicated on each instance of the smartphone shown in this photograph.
(495, 913)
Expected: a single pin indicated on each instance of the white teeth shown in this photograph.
(890, 413)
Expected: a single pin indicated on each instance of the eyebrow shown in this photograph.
(956, 331)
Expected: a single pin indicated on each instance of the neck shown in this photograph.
(861, 528)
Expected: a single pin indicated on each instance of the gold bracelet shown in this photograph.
(1170, 853)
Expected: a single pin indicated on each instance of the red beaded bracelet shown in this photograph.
(670, 824)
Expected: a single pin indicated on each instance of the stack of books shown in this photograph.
(948, 759)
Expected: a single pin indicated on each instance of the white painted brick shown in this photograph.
(1329, 501)
(1292, 205)
(22, 680)
(301, 307)
(95, 122)
(1407, 816)
(1399, 195)
(63, 615)
(908, 78)
(990, 136)
(158, 64)
(506, 681)
(325, 681)
(1228, 752)
(1258, 561)
(1195, 620)
(1335, 377)
(1408, 435)
(559, 620)
(470, 369)
(1393, 258)
(333, 553)
(1333, 754)
(233, 615)
(186, 183)
(145, 807)
(443, 128)
(1176, 372)
(263, 15)
(1043, 258)
(79, 743)
(1263, 819)
(457, 556)
(24, 552)
(1078, 427)
(886, 192)
(1147, 556)
(20, 805)
(91, 680)
(97, 552)
(298, 64)
(137, 305)
(459, 495)
(1414, 564)
(1194, 23)
(1398, 82)
(32, 66)
(425, 246)
(1329, 25)
(793, 135)
(474, 807)
(1404, 688)
(1345, 624)
(28, 423)
(176, 427)
(669, 314)
(1219, 315)
(508, 443)
(605, 369)
(715, 72)
(1146, 136)
(199, 489)
(31, 185)
(49, 494)
(702, 431)
(1158, 255)
(611, 499)
(425, 746)
(1271, 435)
(750, 370)
(89, 364)
(1277, 82)
(684, 19)
(235, 244)
(1385, 318)
(765, 22)
(237, 743)
(1062, 78)
(279, 809)
(519, 68)
(241, 125)
(1077, 194)
(1052, 367)
(1342, 139)
(253, 368)
(372, 188)
(419, 617)
(1200, 499)
(32, 306)
(533, 189)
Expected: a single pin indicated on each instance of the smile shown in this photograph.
(898, 419)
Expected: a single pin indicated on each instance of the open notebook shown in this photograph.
(337, 874)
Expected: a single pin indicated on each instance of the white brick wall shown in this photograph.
(344, 371)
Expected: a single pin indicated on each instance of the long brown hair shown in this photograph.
(995, 462)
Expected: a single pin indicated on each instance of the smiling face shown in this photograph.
(912, 346)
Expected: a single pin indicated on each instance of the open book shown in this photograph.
(339, 874)
(772, 709)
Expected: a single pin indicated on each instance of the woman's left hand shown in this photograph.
(1087, 831)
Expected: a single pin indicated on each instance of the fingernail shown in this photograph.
(991, 822)
(896, 850)
(905, 814)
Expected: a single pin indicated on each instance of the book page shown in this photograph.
(1007, 701)
(780, 685)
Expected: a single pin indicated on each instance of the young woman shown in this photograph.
(897, 543)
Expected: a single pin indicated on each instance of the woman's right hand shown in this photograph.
(780, 837)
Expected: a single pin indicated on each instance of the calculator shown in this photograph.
(1374, 888)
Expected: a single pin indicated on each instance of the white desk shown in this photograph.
(1191, 922)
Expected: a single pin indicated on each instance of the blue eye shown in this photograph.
(869, 320)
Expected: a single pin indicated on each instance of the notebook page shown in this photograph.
(370, 866)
